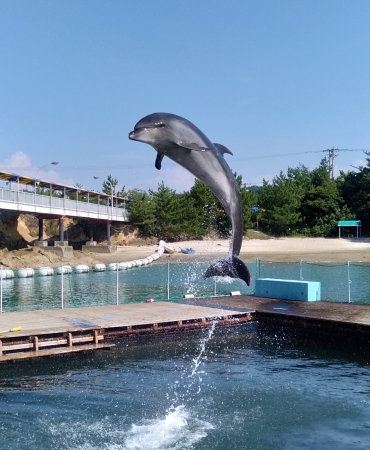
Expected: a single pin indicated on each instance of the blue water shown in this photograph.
(100, 288)
(243, 388)
(339, 283)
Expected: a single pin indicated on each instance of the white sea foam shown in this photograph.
(177, 430)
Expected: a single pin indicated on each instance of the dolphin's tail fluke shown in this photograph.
(231, 267)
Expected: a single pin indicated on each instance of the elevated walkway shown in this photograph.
(48, 205)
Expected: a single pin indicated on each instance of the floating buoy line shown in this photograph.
(28, 272)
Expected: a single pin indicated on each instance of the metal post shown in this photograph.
(91, 232)
(117, 281)
(258, 268)
(1, 288)
(41, 228)
(349, 283)
(61, 229)
(215, 290)
(18, 193)
(300, 270)
(62, 287)
(108, 231)
(112, 202)
(168, 280)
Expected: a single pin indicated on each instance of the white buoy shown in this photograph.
(99, 267)
(161, 243)
(6, 274)
(145, 261)
(64, 269)
(156, 256)
(122, 266)
(139, 262)
(133, 263)
(112, 266)
(129, 265)
(45, 271)
(150, 259)
(27, 272)
(82, 268)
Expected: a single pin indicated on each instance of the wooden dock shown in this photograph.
(324, 316)
(55, 332)
(62, 331)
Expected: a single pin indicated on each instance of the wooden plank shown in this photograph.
(54, 352)
(104, 317)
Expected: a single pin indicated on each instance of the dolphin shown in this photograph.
(180, 140)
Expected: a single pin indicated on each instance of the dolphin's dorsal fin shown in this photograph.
(192, 146)
(158, 161)
(222, 149)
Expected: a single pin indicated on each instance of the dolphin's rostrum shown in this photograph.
(180, 140)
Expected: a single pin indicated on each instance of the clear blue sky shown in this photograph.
(262, 77)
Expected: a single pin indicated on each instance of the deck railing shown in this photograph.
(32, 202)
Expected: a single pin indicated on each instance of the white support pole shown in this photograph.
(168, 280)
(117, 283)
(34, 195)
(62, 287)
(215, 287)
(1, 288)
(300, 270)
(349, 283)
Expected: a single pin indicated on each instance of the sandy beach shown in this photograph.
(271, 249)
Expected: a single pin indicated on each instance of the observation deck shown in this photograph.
(33, 196)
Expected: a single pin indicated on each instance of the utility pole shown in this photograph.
(331, 156)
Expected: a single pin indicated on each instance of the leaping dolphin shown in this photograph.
(180, 140)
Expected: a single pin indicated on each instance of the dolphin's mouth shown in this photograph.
(133, 135)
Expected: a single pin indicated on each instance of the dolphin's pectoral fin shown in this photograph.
(231, 267)
(222, 149)
(158, 161)
(192, 146)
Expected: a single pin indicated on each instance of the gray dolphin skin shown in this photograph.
(180, 140)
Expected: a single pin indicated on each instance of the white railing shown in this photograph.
(31, 202)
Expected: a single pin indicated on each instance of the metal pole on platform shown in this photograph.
(349, 283)
(168, 280)
(117, 281)
(215, 288)
(62, 287)
(300, 270)
(1, 288)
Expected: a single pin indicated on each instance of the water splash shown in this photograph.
(177, 430)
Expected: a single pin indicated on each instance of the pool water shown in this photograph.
(249, 387)
(339, 283)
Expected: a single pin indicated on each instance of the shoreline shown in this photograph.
(273, 249)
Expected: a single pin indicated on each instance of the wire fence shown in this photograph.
(345, 282)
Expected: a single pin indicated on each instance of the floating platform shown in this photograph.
(53, 332)
(56, 332)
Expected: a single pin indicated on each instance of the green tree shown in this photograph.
(321, 204)
(206, 205)
(167, 212)
(249, 199)
(141, 208)
(354, 188)
(281, 204)
(109, 185)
